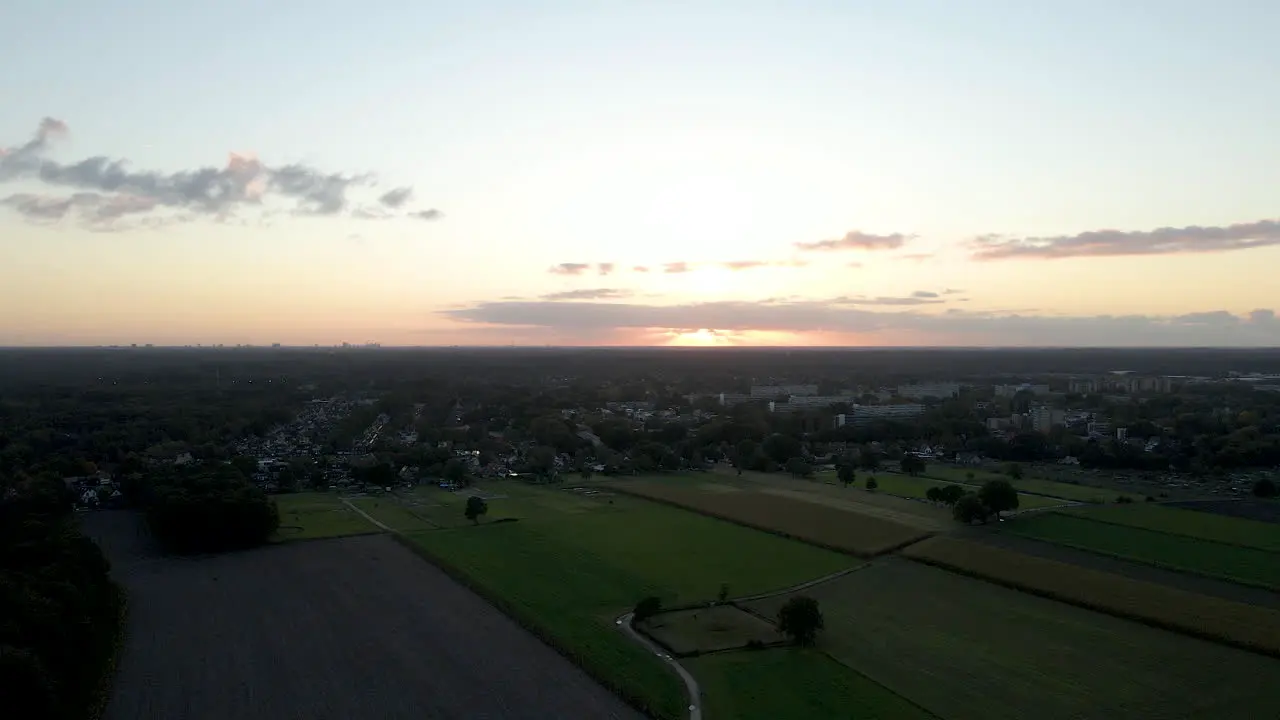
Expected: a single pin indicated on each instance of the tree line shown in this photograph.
(203, 509)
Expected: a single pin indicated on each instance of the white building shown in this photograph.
(868, 413)
(1043, 418)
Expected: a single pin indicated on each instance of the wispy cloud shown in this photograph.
(957, 327)
(431, 214)
(924, 294)
(604, 268)
(676, 268)
(1111, 243)
(639, 269)
(752, 264)
(569, 268)
(915, 257)
(106, 189)
(588, 294)
(858, 240)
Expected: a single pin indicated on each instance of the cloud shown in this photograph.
(604, 268)
(639, 269)
(243, 182)
(915, 299)
(431, 214)
(1111, 243)
(951, 291)
(858, 240)
(675, 268)
(588, 294)
(917, 257)
(396, 197)
(954, 327)
(924, 294)
(752, 264)
(569, 268)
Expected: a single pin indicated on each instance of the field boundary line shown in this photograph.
(1081, 516)
(1157, 564)
(1179, 628)
(624, 625)
(802, 586)
(365, 515)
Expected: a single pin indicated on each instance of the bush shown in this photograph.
(1265, 488)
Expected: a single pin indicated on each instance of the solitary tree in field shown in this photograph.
(1013, 470)
(647, 608)
(846, 474)
(872, 484)
(724, 592)
(999, 495)
(911, 464)
(969, 508)
(800, 619)
(476, 506)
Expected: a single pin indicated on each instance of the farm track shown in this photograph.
(1212, 587)
(341, 629)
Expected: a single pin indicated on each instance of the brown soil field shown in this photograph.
(341, 629)
(814, 523)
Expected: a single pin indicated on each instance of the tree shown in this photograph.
(798, 467)
(969, 508)
(968, 476)
(869, 459)
(1013, 470)
(998, 496)
(800, 619)
(949, 494)
(871, 483)
(476, 506)
(1265, 488)
(911, 464)
(781, 448)
(455, 471)
(647, 608)
(846, 474)
(724, 592)
(933, 494)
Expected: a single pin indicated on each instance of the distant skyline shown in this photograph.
(699, 173)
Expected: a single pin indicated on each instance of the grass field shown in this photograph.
(1040, 486)
(1191, 523)
(708, 629)
(971, 650)
(917, 488)
(1248, 626)
(821, 525)
(392, 512)
(306, 516)
(574, 563)
(1180, 552)
(792, 684)
(824, 490)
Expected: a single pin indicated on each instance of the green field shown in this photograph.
(792, 684)
(701, 630)
(971, 650)
(1241, 564)
(572, 564)
(918, 487)
(393, 513)
(1066, 491)
(1191, 523)
(306, 516)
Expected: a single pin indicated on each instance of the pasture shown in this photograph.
(793, 684)
(307, 516)
(1248, 626)
(708, 629)
(818, 524)
(1038, 486)
(1238, 563)
(917, 487)
(575, 562)
(825, 491)
(1267, 511)
(971, 650)
(1211, 526)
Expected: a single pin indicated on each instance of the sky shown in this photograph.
(845, 173)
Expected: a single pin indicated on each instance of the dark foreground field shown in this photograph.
(339, 629)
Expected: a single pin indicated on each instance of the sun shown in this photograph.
(699, 338)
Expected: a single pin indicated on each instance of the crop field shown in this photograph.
(1191, 523)
(1259, 510)
(306, 516)
(568, 572)
(1232, 562)
(793, 684)
(971, 650)
(354, 628)
(826, 491)
(1248, 626)
(821, 525)
(710, 629)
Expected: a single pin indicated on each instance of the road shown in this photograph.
(690, 684)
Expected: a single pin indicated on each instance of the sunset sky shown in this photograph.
(737, 173)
